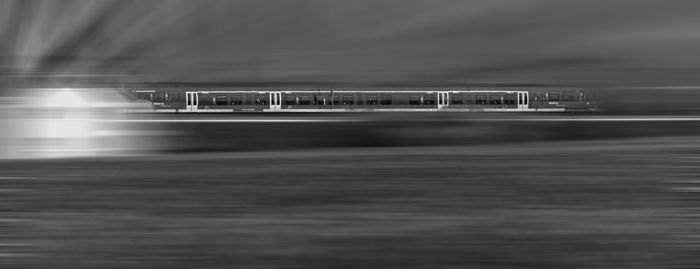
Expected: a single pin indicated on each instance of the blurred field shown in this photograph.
(587, 204)
(395, 130)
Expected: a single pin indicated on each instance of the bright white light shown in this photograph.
(71, 123)
(68, 128)
(67, 123)
(67, 118)
(66, 98)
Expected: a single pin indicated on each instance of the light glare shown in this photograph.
(66, 99)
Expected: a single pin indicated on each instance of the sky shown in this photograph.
(468, 41)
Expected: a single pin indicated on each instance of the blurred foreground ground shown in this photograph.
(606, 203)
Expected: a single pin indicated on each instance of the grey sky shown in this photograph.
(324, 40)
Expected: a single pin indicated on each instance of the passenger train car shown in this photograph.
(191, 100)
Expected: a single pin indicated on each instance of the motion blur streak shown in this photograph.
(57, 122)
(234, 120)
(466, 118)
(539, 41)
(601, 204)
(599, 119)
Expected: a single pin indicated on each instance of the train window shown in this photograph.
(305, 100)
(173, 96)
(456, 99)
(553, 96)
(143, 96)
(567, 96)
(290, 100)
(159, 97)
(480, 100)
(336, 100)
(509, 99)
(495, 99)
(220, 100)
(414, 100)
(385, 99)
(236, 100)
(348, 100)
(429, 100)
(372, 100)
(467, 98)
(249, 100)
(261, 100)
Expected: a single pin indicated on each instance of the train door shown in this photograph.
(192, 101)
(443, 100)
(275, 101)
(523, 101)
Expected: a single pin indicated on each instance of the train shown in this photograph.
(268, 99)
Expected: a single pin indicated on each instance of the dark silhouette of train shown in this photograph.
(267, 99)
